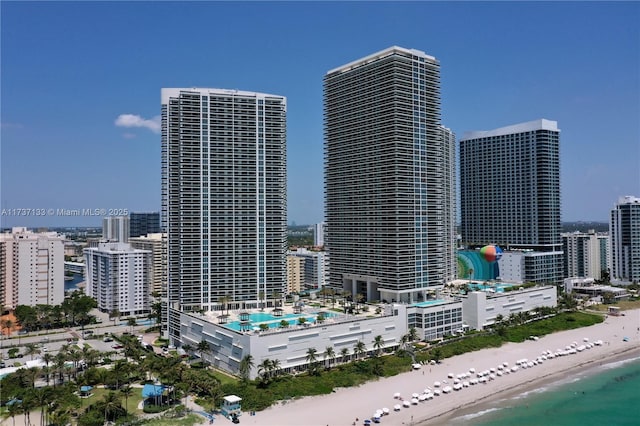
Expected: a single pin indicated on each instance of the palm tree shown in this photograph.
(31, 349)
(378, 344)
(131, 322)
(275, 367)
(359, 349)
(7, 324)
(264, 370)
(311, 355)
(329, 354)
(127, 391)
(111, 405)
(245, 367)
(413, 334)
(14, 409)
(284, 324)
(261, 299)
(204, 348)
(344, 353)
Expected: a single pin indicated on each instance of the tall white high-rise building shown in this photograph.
(387, 176)
(117, 276)
(116, 228)
(223, 198)
(624, 236)
(31, 268)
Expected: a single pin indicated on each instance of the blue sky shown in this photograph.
(69, 70)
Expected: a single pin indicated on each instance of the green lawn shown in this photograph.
(97, 393)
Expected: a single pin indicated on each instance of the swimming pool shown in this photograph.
(428, 302)
(497, 287)
(146, 322)
(257, 318)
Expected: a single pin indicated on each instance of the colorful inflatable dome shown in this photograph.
(491, 253)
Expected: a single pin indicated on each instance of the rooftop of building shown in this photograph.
(168, 93)
(379, 55)
(529, 126)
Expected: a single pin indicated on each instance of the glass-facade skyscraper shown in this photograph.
(387, 176)
(510, 194)
(144, 223)
(223, 198)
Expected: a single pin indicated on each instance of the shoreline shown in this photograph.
(344, 405)
(632, 353)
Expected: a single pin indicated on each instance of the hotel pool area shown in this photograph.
(257, 318)
(493, 287)
(428, 302)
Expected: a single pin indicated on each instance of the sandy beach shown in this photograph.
(343, 406)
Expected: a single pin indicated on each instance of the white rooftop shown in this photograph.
(529, 126)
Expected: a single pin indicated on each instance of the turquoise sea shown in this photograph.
(603, 395)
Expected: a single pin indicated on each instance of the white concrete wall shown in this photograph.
(480, 309)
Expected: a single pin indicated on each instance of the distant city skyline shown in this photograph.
(79, 125)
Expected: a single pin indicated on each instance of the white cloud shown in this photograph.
(7, 125)
(132, 120)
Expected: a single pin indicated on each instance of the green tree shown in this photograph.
(204, 348)
(359, 349)
(344, 353)
(127, 391)
(114, 315)
(31, 349)
(131, 322)
(329, 354)
(378, 344)
(245, 367)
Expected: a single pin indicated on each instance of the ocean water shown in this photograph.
(603, 395)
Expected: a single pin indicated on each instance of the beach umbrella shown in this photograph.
(436, 384)
(465, 384)
(499, 373)
(427, 390)
(415, 395)
(472, 370)
(396, 395)
(456, 381)
(422, 397)
(414, 401)
(385, 411)
(406, 403)
(451, 375)
(436, 392)
(446, 389)
(396, 407)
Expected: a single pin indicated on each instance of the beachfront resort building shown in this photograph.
(585, 254)
(510, 195)
(624, 229)
(224, 201)
(117, 276)
(31, 268)
(388, 171)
